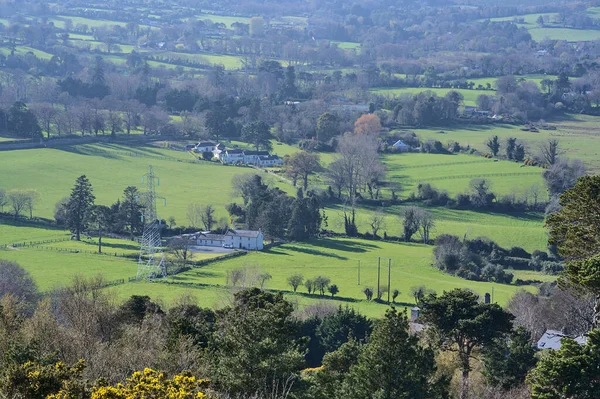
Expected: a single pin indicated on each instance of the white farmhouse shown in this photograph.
(205, 146)
(232, 156)
(244, 239)
(269, 160)
(253, 157)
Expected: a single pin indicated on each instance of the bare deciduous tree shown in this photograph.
(377, 222)
(356, 163)
(18, 201)
(549, 152)
(207, 216)
(180, 248)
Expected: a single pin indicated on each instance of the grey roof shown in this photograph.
(206, 144)
(399, 143)
(252, 152)
(234, 151)
(551, 340)
(268, 157)
(243, 233)
(211, 236)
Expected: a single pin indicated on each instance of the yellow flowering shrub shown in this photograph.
(151, 384)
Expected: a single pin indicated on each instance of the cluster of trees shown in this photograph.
(80, 213)
(425, 108)
(480, 196)
(481, 259)
(273, 211)
(19, 201)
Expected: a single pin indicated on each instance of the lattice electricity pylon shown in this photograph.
(151, 263)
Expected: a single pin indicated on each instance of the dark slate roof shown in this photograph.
(259, 153)
(234, 152)
(243, 233)
(206, 144)
(211, 236)
(268, 157)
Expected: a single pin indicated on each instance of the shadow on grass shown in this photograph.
(85, 149)
(316, 252)
(274, 251)
(346, 245)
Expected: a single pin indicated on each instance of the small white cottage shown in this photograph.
(244, 239)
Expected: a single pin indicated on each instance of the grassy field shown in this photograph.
(525, 230)
(228, 61)
(553, 30)
(338, 259)
(13, 233)
(52, 269)
(222, 19)
(577, 134)
(470, 96)
(53, 172)
(454, 172)
(347, 45)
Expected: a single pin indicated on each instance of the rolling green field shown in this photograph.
(553, 30)
(222, 19)
(184, 181)
(525, 230)
(347, 45)
(111, 168)
(52, 269)
(454, 172)
(470, 96)
(337, 259)
(11, 233)
(577, 135)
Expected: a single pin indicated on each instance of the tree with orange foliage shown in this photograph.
(367, 124)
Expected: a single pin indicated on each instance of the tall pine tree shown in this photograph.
(79, 206)
(131, 211)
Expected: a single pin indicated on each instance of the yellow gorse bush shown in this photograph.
(150, 384)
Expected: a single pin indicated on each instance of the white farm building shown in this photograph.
(251, 240)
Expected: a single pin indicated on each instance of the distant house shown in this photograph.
(269, 160)
(551, 340)
(205, 146)
(401, 146)
(232, 156)
(252, 157)
(244, 239)
(208, 239)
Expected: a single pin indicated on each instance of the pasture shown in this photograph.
(454, 172)
(52, 269)
(111, 168)
(552, 30)
(525, 230)
(337, 259)
(470, 96)
(577, 135)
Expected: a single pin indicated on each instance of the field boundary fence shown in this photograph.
(34, 243)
